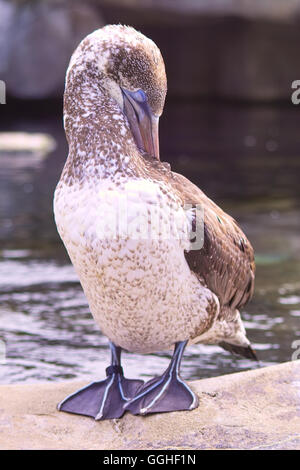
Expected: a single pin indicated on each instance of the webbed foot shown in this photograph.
(104, 399)
(165, 393)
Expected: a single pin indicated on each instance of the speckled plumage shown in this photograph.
(145, 292)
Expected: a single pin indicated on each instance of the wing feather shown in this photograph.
(226, 260)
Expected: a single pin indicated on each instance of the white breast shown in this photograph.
(127, 243)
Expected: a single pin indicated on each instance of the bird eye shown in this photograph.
(140, 96)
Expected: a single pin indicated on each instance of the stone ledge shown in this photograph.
(258, 409)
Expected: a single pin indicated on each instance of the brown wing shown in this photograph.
(226, 261)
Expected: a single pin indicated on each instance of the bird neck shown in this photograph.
(100, 141)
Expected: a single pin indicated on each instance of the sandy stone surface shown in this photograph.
(258, 409)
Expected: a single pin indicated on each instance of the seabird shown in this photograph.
(155, 273)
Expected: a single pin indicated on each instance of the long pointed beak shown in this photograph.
(143, 123)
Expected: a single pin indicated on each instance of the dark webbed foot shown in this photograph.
(104, 399)
(165, 393)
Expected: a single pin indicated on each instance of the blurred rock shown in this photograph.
(241, 50)
(7, 11)
(37, 41)
(256, 9)
(26, 143)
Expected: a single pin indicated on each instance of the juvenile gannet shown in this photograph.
(128, 224)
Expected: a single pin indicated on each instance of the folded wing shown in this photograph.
(226, 260)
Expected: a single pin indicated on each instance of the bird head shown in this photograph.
(129, 68)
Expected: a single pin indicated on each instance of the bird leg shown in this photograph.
(104, 399)
(165, 393)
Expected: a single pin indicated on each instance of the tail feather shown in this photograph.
(245, 351)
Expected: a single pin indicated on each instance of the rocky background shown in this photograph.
(229, 49)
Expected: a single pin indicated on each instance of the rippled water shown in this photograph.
(245, 159)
